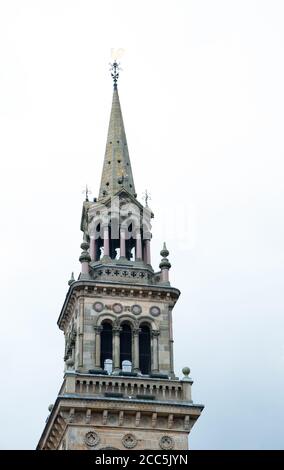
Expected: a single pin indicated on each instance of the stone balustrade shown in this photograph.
(114, 386)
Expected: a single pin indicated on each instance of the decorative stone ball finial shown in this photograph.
(164, 252)
(85, 245)
(186, 372)
(85, 257)
(70, 363)
(165, 265)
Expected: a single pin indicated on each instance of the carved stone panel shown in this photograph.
(166, 442)
(92, 439)
(129, 441)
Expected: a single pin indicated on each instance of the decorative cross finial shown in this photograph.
(87, 191)
(114, 69)
(146, 197)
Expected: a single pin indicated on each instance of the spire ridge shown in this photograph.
(117, 172)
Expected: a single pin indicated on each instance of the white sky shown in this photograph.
(202, 98)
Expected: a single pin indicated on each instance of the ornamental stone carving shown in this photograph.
(129, 441)
(166, 443)
(136, 276)
(98, 306)
(155, 311)
(136, 309)
(92, 439)
(117, 308)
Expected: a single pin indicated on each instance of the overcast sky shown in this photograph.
(202, 97)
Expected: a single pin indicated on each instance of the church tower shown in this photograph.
(119, 390)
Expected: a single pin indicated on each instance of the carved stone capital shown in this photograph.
(116, 330)
(155, 333)
(136, 331)
(98, 328)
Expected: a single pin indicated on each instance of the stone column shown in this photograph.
(81, 332)
(144, 253)
(93, 248)
(106, 241)
(98, 330)
(147, 252)
(165, 275)
(73, 355)
(122, 242)
(155, 349)
(138, 251)
(136, 350)
(164, 265)
(116, 348)
(171, 342)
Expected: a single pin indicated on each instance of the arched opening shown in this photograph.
(99, 242)
(125, 343)
(145, 349)
(106, 344)
(114, 240)
(129, 242)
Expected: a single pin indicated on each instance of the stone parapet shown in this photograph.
(121, 387)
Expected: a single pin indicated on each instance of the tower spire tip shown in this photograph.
(115, 69)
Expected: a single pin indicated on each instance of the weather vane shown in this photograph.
(115, 69)
(146, 197)
(86, 191)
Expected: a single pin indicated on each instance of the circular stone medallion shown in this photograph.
(98, 306)
(136, 309)
(117, 308)
(155, 311)
(166, 442)
(129, 441)
(92, 439)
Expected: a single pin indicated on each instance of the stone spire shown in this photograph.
(117, 173)
(118, 326)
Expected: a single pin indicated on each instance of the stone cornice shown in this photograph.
(74, 403)
(134, 401)
(91, 288)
